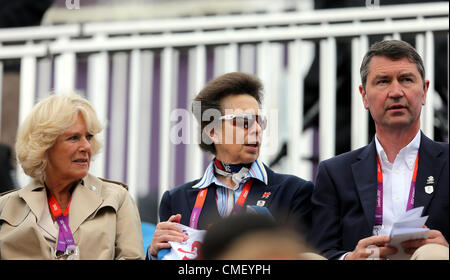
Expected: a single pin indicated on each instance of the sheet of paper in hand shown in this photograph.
(409, 226)
(187, 250)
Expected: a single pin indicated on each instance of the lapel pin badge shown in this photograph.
(429, 186)
(260, 203)
(266, 195)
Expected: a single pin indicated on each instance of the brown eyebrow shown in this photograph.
(410, 74)
(381, 77)
(403, 75)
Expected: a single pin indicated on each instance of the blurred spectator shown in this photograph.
(6, 180)
(254, 237)
(22, 12)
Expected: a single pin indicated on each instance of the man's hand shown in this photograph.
(167, 231)
(373, 247)
(434, 237)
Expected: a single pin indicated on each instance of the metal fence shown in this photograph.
(136, 74)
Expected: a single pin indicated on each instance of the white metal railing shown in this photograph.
(122, 74)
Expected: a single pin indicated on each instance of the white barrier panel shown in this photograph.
(97, 93)
(360, 116)
(327, 98)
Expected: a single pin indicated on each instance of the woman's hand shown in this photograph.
(167, 231)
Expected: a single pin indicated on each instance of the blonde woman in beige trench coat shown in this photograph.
(55, 146)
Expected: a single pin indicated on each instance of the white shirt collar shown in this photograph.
(408, 154)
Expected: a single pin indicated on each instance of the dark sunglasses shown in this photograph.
(246, 120)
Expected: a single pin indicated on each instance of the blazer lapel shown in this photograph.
(365, 177)
(430, 164)
(192, 196)
(209, 214)
(259, 188)
(256, 193)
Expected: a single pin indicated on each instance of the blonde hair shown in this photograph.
(48, 119)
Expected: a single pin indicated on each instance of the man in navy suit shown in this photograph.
(359, 194)
(231, 129)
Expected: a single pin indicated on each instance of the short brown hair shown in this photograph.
(211, 95)
(393, 49)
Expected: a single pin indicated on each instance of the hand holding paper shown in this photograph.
(186, 250)
(407, 227)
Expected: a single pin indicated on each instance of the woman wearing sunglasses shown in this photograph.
(235, 180)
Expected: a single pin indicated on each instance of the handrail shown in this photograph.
(39, 32)
(224, 37)
(273, 19)
(221, 22)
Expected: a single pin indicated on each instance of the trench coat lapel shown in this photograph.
(86, 200)
(34, 195)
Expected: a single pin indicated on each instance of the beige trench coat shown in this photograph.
(103, 218)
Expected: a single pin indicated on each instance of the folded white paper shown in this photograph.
(409, 226)
(187, 250)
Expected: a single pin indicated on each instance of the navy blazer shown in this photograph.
(289, 201)
(345, 195)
